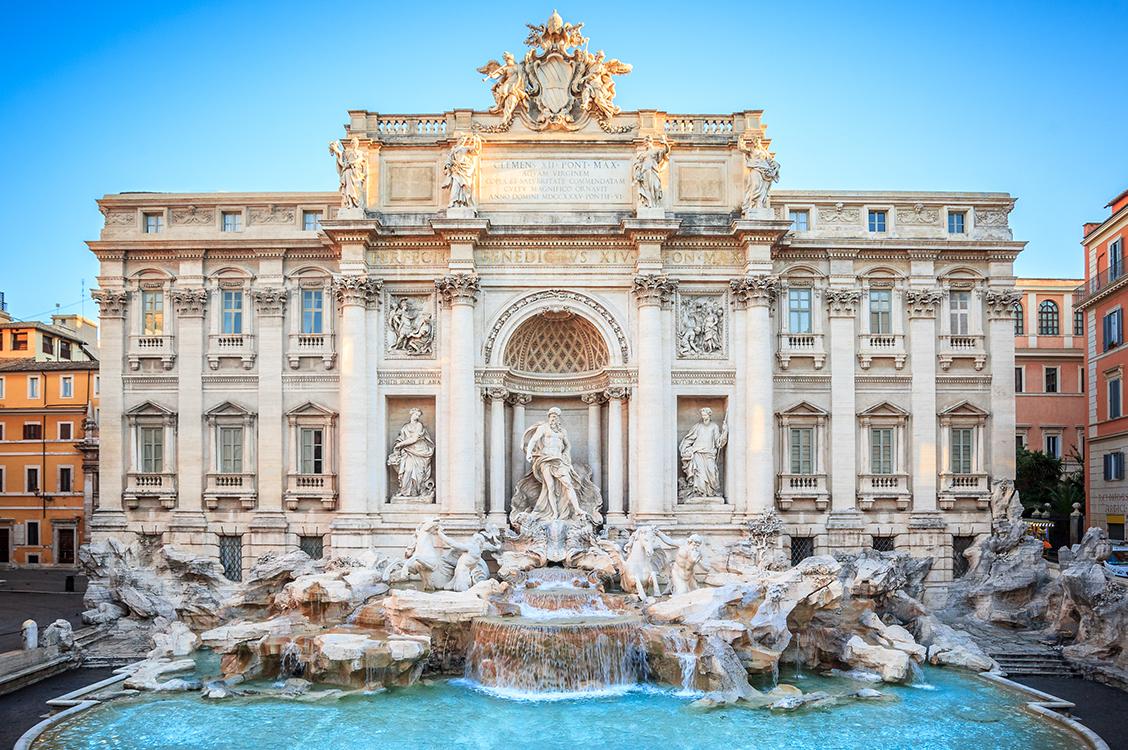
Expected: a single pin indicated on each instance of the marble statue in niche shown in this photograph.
(555, 489)
(411, 329)
(763, 171)
(352, 170)
(460, 168)
(701, 328)
(647, 172)
(411, 456)
(699, 451)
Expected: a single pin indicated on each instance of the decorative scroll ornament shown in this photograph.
(558, 85)
(459, 288)
(191, 302)
(1001, 302)
(269, 300)
(756, 290)
(922, 303)
(842, 302)
(653, 288)
(111, 302)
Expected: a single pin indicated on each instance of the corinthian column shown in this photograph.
(1000, 329)
(922, 306)
(352, 292)
(757, 292)
(190, 304)
(496, 398)
(460, 292)
(519, 401)
(650, 290)
(616, 456)
(843, 307)
(594, 437)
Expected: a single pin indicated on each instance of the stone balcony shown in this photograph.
(313, 346)
(971, 487)
(792, 345)
(874, 488)
(804, 488)
(320, 488)
(156, 486)
(239, 346)
(970, 347)
(872, 346)
(160, 347)
(237, 486)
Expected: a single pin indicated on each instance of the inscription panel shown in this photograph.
(541, 181)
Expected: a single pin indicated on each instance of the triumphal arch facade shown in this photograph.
(553, 303)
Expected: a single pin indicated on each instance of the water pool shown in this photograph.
(952, 710)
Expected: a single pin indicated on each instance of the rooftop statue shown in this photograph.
(352, 169)
(763, 171)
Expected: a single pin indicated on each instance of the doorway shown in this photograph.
(66, 547)
(5, 539)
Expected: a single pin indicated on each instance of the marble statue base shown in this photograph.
(414, 499)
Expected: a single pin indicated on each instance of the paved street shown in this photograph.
(24, 708)
(39, 595)
(1099, 707)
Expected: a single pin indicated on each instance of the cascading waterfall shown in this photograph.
(291, 663)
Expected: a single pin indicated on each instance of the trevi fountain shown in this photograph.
(605, 554)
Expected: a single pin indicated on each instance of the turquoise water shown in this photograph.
(953, 710)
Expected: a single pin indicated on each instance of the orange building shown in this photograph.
(1049, 365)
(1103, 299)
(48, 458)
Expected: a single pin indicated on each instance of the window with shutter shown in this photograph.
(802, 450)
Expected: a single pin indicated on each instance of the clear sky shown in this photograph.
(1029, 98)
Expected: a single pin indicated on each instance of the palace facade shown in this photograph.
(327, 370)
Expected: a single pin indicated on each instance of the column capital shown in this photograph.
(842, 303)
(520, 399)
(618, 393)
(459, 288)
(754, 290)
(653, 288)
(922, 303)
(592, 399)
(354, 288)
(495, 393)
(1001, 303)
(190, 302)
(111, 302)
(270, 301)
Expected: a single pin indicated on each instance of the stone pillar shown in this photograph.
(842, 305)
(268, 527)
(616, 455)
(516, 450)
(736, 489)
(190, 304)
(109, 518)
(374, 341)
(922, 306)
(757, 292)
(594, 437)
(460, 292)
(1000, 321)
(496, 398)
(651, 290)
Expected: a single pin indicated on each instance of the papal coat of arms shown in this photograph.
(559, 85)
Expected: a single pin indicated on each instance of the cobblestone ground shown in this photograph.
(25, 708)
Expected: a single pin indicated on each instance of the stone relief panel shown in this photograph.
(700, 183)
(702, 437)
(702, 326)
(410, 328)
(409, 182)
(271, 215)
(411, 449)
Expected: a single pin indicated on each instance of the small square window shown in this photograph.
(66, 431)
(800, 219)
(154, 223)
(311, 221)
(877, 220)
(314, 546)
(802, 547)
(957, 222)
(884, 543)
(232, 221)
(19, 341)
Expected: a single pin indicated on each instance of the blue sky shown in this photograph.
(95, 98)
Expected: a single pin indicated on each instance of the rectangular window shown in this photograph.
(33, 533)
(957, 222)
(31, 479)
(314, 546)
(33, 431)
(1019, 379)
(311, 220)
(1114, 398)
(802, 547)
(65, 350)
(66, 386)
(231, 556)
(152, 313)
(885, 543)
(881, 450)
(312, 310)
(800, 219)
(312, 450)
(881, 311)
(960, 545)
(19, 341)
(802, 450)
(66, 430)
(232, 221)
(1053, 445)
(1078, 322)
(232, 311)
(47, 343)
(231, 450)
(1113, 324)
(799, 311)
(1, 478)
(1, 430)
(962, 438)
(1051, 375)
(877, 220)
(959, 309)
(66, 479)
(1115, 259)
(33, 386)
(97, 385)
(1, 387)
(1113, 466)
(1020, 439)
(152, 449)
(154, 223)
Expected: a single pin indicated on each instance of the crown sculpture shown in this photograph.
(559, 85)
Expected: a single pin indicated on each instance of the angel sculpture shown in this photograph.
(648, 164)
(597, 91)
(461, 164)
(509, 91)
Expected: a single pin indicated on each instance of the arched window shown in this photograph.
(1048, 318)
(1019, 322)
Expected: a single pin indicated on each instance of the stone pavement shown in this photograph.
(39, 595)
(1099, 707)
(26, 707)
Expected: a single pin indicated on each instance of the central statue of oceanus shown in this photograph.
(555, 489)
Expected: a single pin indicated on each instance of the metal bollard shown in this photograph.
(68, 585)
(30, 635)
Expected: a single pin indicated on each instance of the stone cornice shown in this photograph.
(460, 230)
(649, 230)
